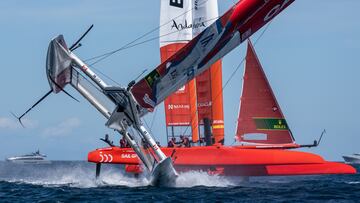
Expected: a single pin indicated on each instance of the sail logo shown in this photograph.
(280, 125)
(270, 124)
(186, 25)
(275, 10)
(128, 156)
(107, 158)
(181, 90)
(204, 104)
(205, 41)
(178, 106)
(177, 3)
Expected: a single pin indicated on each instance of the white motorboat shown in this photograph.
(352, 159)
(32, 158)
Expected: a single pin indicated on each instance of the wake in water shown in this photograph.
(82, 175)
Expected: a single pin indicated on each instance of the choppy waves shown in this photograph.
(75, 181)
(82, 175)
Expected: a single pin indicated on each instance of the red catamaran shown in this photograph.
(262, 132)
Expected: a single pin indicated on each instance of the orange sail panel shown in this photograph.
(177, 106)
(260, 118)
(217, 102)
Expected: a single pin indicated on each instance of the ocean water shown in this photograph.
(69, 181)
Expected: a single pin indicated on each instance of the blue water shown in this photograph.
(75, 182)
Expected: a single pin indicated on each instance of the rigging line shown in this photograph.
(153, 119)
(242, 61)
(103, 74)
(104, 56)
(146, 124)
(133, 45)
(235, 70)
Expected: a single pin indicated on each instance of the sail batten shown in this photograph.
(260, 120)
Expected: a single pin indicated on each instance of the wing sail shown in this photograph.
(58, 68)
(205, 49)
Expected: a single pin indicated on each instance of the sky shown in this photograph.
(310, 54)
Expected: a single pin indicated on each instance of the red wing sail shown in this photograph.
(226, 33)
(260, 118)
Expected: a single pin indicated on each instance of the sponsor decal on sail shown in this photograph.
(205, 104)
(152, 77)
(177, 3)
(185, 25)
(270, 124)
(178, 106)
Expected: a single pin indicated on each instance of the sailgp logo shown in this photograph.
(105, 157)
(177, 3)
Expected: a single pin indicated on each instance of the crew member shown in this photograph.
(185, 142)
(172, 142)
(123, 142)
(107, 140)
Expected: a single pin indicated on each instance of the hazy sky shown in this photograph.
(310, 54)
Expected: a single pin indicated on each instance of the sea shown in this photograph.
(74, 181)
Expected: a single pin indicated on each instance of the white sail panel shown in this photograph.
(175, 21)
(205, 13)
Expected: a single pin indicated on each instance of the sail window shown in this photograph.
(255, 136)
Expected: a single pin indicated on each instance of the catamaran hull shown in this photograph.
(164, 174)
(231, 161)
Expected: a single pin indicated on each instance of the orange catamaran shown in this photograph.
(262, 132)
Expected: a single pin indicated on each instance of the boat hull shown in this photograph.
(29, 161)
(352, 159)
(230, 161)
